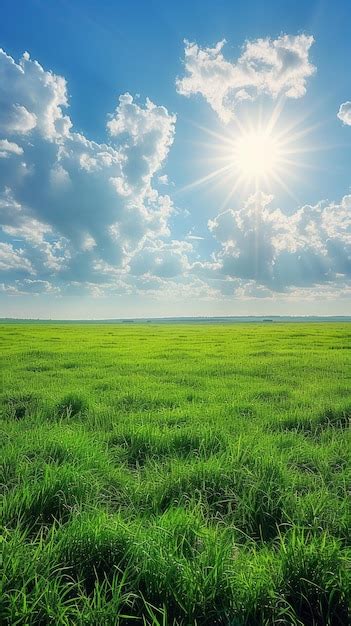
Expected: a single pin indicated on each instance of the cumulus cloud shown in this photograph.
(33, 98)
(80, 207)
(78, 216)
(257, 243)
(9, 147)
(266, 66)
(344, 113)
(162, 259)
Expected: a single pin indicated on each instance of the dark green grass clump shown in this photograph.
(52, 494)
(71, 405)
(151, 443)
(175, 475)
(338, 418)
(18, 406)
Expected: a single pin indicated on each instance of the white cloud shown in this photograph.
(82, 217)
(33, 98)
(13, 259)
(164, 260)
(9, 147)
(344, 113)
(258, 243)
(29, 286)
(191, 237)
(150, 132)
(163, 179)
(16, 119)
(174, 289)
(266, 66)
(79, 206)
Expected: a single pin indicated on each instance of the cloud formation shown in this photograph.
(344, 113)
(266, 66)
(80, 209)
(309, 247)
(9, 147)
(164, 260)
(81, 217)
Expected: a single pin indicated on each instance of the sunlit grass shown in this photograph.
(175, 474)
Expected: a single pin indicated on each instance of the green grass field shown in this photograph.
(175, 474)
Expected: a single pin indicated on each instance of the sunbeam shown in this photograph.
(255, 153)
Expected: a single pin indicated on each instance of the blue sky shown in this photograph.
(104, 142)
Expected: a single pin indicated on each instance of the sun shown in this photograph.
(257, 155)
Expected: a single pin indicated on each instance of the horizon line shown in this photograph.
(266, 318)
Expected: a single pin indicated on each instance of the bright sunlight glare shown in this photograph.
(256, 155)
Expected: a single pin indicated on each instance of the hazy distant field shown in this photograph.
(181, 474)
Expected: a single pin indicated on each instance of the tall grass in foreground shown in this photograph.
(175, 475)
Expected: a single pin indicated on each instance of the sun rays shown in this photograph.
(257, 153)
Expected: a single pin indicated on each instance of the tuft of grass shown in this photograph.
(94, 546)
(35, 591)
(71, 405)
(251, 494)
(147, 443)
(330, 418)
(19, 406)
(52, 496)
(315, 579)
